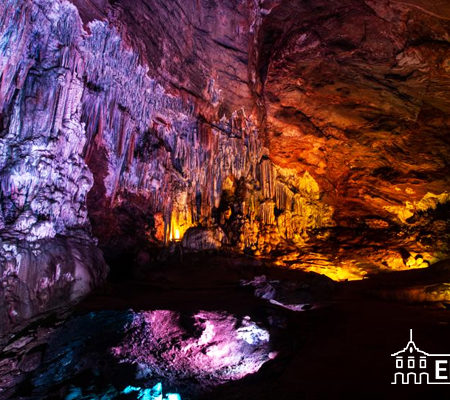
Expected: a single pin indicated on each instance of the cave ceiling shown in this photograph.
(353, 92)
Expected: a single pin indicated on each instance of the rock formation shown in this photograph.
(318, 128)
(212, 348)
(221, 348)
(47, 255)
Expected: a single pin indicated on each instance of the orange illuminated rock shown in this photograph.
(363, 107)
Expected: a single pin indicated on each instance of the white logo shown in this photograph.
(416, 366)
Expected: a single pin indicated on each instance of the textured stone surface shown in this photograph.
(192, 353)
(47, 256)
(44, 178)
(198, 239)
(355, 119)
(45, 275)
(198, 49)
(216, 348)
(356, 93)
(161, 165)
(280, 122)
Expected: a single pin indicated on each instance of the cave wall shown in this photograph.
(197, 49)
(46, 253)
(356, 93)
(263, 124)
(85, 126)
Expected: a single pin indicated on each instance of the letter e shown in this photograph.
(440, 369)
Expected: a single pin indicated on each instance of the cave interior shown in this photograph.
(236, 199)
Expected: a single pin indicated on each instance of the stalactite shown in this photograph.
(144, 142)
(266, 213)
(283, 197)
(266, 178)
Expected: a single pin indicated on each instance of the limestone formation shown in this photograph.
(281, 129)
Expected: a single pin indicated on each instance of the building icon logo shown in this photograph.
(414, 366)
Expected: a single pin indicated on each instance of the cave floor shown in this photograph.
(338, 349)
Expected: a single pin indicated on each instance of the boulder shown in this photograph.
(200, 239)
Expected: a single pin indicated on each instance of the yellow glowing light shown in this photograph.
(338, 273)
(180, 222)
(177, 234)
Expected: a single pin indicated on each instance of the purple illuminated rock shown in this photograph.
(47, 256)
(130, 118)
(44, 275)
(209, 349)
